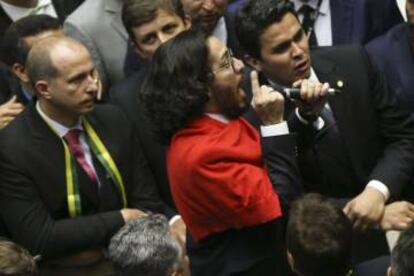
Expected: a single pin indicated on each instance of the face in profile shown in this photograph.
(284, 52)
(206, 12)
(149, 36)
(226, 91)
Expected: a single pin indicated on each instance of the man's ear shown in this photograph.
(20, 72)
(255, 63)
(291, 261)
(187, 22)
(42, 89)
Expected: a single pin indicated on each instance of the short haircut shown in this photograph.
(138, 12)
(319, 237)
(15, 260)
(254, 17)
(175, 90)
(402, 256)
(39, 63)
(14, 49)
(145, 246)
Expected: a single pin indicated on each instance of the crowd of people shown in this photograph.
(206, 137)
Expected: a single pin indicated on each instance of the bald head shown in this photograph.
(46, 56)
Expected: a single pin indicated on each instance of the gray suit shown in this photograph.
(98, 24)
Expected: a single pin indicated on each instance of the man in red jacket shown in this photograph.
(228, 181)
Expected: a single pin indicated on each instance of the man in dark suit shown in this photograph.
(357, 146)
(72, 174)
(338, 22)
(59, 8)
(394, 54)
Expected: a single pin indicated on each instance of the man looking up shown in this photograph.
(72, 172)
(221, 170)
(358, 146)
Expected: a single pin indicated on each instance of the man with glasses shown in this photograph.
(225, 176)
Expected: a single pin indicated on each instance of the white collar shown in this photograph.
(60, 129)
(323, 9)
(220, 31)
(218, 117)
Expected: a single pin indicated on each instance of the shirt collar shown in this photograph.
(323, 9)
(60, 129)
(218, 117)
(220, 31)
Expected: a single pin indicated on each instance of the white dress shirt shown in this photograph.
(15, 12)
(323, 24)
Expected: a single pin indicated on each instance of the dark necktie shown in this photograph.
(308, 22)
(72, 138)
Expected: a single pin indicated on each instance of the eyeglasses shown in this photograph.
(228, 62)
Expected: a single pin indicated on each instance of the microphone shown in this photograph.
(294, 93)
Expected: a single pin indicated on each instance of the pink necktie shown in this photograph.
(72, 138)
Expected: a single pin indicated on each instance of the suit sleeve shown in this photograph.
(280, 155)
(395, 166)
(30, 224)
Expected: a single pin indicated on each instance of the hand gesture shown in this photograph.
(268, 103)
(9, 111)
(313, 96)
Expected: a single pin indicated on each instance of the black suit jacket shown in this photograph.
(126, 96)
(33, 200)
(63, 9)
(376, 134)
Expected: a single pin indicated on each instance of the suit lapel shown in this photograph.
(327, 71)
(45, 139)
(341, 19)
(114, 9)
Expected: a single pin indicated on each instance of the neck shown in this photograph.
(22, 3)
(56, 114)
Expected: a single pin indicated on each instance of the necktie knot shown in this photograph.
(308, 22)
(75, 147)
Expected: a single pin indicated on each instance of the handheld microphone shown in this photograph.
(294, 93)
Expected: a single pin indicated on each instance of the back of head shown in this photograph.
(15, 260)
(402, 256)
(175, 90)
(254, 17)
(138, 12)
(145, 246)
(319, 237)
(14, 49)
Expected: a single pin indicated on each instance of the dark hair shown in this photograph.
(13, 48)
(145, 246)
(319, 237)
(15, 260)
(402, 255)
(175, 89)
(138, 12)
(254, 17)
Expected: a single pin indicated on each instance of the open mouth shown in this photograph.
(302, 67)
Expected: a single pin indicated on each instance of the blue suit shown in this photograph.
(395, 58)
(356, 21)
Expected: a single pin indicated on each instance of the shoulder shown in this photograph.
(381, 44)
(83, 16)
(127, 89)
